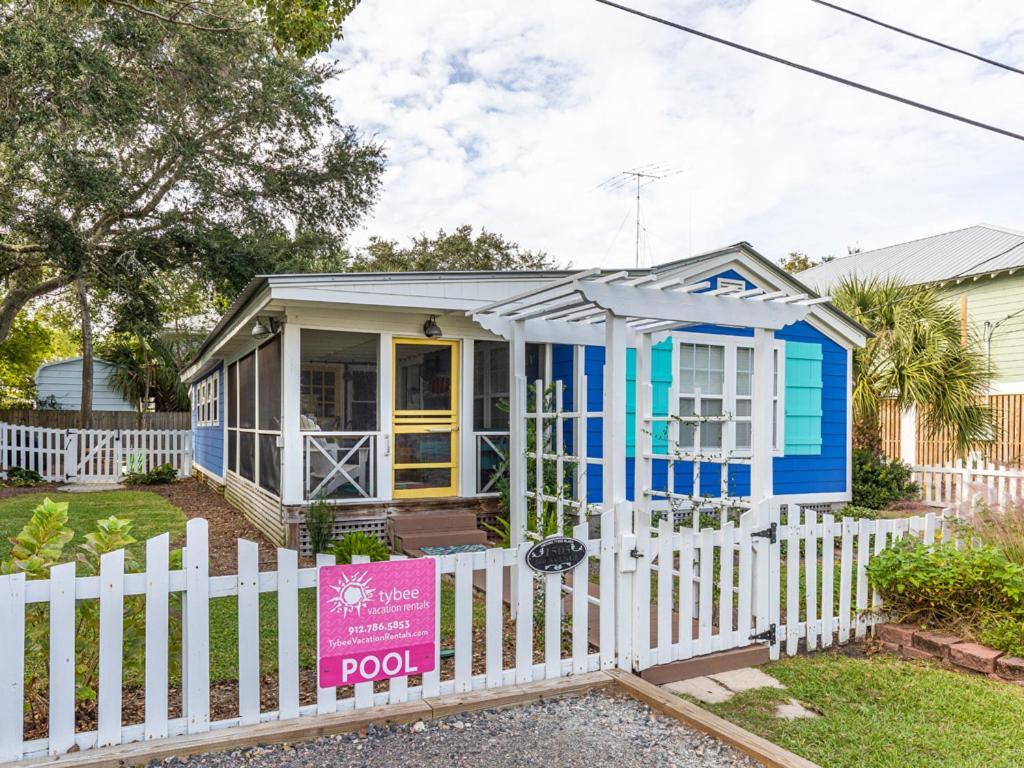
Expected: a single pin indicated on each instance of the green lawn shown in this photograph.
(151, 514)
(886, 712)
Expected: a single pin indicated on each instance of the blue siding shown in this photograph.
(208, 442)
(824, 473)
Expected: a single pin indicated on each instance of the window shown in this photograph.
(490, 386)
(717, 380)
(338, 381)
(254, 416)
(207, 396)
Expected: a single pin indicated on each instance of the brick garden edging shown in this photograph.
(910, 642)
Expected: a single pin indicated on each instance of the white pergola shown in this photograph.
(617, 311)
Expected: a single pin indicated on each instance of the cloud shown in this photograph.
(509, 116)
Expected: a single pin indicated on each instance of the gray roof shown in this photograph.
(979, 250)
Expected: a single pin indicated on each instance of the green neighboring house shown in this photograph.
(981, 270)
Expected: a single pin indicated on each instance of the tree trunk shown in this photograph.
(83, 302)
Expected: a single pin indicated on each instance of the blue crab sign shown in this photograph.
(557, 554)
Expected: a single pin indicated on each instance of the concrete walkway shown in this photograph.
(718, 688)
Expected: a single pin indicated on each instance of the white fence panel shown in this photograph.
(92, 455)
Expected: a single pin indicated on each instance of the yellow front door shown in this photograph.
(426, 418)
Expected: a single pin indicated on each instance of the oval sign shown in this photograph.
(556, 555)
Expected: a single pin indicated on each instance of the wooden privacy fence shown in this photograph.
(35, 417)
(92, 455)
(802, 581)
(964, 484)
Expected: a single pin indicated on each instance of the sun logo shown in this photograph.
(351, 594)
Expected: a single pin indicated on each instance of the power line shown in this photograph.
(916, 36)
(813, 71)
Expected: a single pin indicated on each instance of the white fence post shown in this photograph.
(196, 674)
(12, 670)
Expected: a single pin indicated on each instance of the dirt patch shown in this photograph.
(10, 491)
(227, 524)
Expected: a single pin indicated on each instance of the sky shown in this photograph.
(510, 116)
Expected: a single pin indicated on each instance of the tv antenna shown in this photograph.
(638, 178)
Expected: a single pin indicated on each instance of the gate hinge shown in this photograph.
(769, 533)
(768, 634)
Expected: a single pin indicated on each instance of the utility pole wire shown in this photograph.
(916, 36)
(813, 71)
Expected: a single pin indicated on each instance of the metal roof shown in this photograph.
(982, 249)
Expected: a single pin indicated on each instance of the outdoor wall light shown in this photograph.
(264, 328)
(431, 329)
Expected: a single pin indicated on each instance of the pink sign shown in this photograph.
(376, 621)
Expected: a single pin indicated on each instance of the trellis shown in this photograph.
(615, 310)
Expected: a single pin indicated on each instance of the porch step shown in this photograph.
(406, 523)
(417, 541)
(712, 664)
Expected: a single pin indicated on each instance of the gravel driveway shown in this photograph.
(594, 731)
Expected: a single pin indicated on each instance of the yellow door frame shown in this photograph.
(427, 422)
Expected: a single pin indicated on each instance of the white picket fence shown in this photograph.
(708, 589)
(552, 658)
(966, 483)
(804, 579)
(92, 455)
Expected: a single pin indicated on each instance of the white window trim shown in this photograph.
(208, 402)
(730, 344)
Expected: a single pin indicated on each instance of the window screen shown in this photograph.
(247, 455)
(247, 392)
(231, 403)
(270, 464)
(270, 384)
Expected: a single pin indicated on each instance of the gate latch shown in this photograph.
(768, 634)
(769, 533)
(627, 546)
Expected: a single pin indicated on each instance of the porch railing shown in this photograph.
(491, 452)
(339, 466)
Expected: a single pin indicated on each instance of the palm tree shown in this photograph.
(916, 357)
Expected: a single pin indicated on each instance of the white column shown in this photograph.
(466, 440)
(292, 449)
(385, 411)
(579, 404)
(614, 417)
(761, 481)
(517, 435)
(908, 436)
(643, 438)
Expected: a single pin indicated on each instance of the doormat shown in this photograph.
(453, 549)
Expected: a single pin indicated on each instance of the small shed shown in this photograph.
(61, 380)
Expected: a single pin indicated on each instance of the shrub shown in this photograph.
(1004, 633)
(945, 586)
(161, 475)
(23, 478)
(320, 526)
(359, 543)
(858, 513)
(878, 482)
(1002, 528)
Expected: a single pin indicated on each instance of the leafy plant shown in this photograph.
(857, 513)
(359, 543)
(320, 526)
(944, 586)
(878, 482)
(39, 546)
(41, 542)
(23, 478)
(161, 475)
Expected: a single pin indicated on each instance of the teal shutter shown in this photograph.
(630, 403)
(661, 380)
(803, 399)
